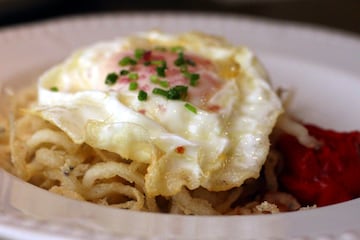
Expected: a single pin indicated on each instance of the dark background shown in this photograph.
(336, 14)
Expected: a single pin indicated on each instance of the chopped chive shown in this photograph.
(161, 71)
(164, 83)
(173, 94)
(161, 67)
(142, 96)
(159, 91)
(194, 82)
(133, 86)
(147, 63)
(125, 61)
(193, 77)
(177, 49)
(139, 53)
(177, 92)
(54, 89)
(133, 76)
(190, 107)
(181, 88)
(154, 79)
(180, 60)
(124, 72)
(158, 62)
(111, 78)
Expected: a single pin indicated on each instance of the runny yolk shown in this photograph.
(148, 75)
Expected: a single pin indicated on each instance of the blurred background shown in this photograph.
(337, 14)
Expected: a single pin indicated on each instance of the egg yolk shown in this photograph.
(161, 71)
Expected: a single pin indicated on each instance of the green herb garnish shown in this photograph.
(177, 49)
(177, 92)
(124, 72)
(180, 60)
(125, 61)
(193, 78)
(190, 107)
(160, 70)
(158, 62)
(159, 91)
(133, 86)
(111, 78)
(164, 83)
(139, 53)
(154, 79)
(142, 96)
(54, 89)
(133, 76)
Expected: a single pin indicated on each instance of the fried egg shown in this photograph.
(196, 109)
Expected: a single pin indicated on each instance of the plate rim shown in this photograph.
(11, 32)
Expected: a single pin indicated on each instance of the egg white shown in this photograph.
(222, 149)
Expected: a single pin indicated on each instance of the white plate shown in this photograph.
(323, 68)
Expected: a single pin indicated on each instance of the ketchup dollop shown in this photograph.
(324, 175)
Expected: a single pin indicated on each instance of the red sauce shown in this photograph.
(323, 176)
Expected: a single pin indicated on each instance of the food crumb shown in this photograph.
(308, 207)
(266, 207)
